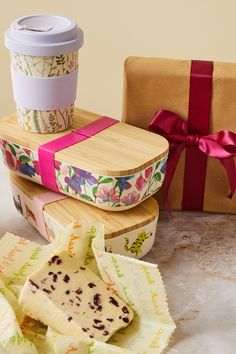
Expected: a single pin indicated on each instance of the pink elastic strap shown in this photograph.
(97, 126)
(36, 206)
(39, 202)
(46, 152)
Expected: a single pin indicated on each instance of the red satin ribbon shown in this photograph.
(192, 136)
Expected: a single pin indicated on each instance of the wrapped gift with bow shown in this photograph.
(193, 105)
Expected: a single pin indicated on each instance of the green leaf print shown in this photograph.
(157, 176)
(60, 59)
(86, 197)
(24, 158)
(94, 191)
(70, 171)
(106, 180)
(36, 120)
(157, 164)
(13, 151)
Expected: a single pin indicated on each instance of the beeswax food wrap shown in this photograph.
(150, 330)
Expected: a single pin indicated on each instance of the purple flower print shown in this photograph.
(85, 176)
(163, 167)
(80, 178)
(107, 195)
(123, 183)
(74, 183)
(131, 198)
(27, 169)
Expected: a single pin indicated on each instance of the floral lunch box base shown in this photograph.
(109, 193)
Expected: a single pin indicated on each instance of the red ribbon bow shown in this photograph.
(220, 145)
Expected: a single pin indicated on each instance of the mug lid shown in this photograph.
(43, 35)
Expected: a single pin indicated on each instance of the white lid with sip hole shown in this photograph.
(43, 35)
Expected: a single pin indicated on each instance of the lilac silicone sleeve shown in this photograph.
(44, 93)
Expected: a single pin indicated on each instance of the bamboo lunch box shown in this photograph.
(114, 168)
(129, 233)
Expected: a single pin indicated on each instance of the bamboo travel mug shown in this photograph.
(44, 70)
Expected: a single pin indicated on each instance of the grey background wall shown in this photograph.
(115, 29)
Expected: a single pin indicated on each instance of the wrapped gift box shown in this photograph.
(130, 232)
(110, 165)
(181, 88)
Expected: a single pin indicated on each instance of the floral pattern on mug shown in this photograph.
(45, 121)
(104, 191)
(48, 66)
(49, 121)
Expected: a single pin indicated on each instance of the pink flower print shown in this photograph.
(3, 142)
(107, 195)
(27, 151)
(131, 198)
(71, 64)
(148, 172)
(17, 166)
(140, 183)
(36, 167)
(64, 170)
(57, 165)
(9, 160)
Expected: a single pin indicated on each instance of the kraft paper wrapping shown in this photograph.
(151, 84)
(138, 283)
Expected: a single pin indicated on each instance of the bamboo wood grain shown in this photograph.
(69, 210)
(120, 150)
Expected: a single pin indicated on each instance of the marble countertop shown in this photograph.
(196, 254)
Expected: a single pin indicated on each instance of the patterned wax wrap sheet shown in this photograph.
(138, 283)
